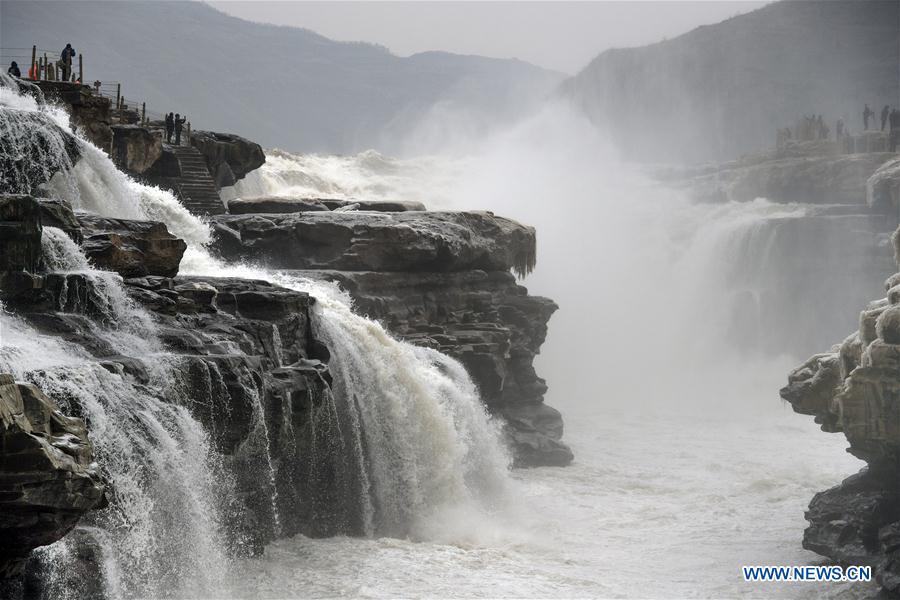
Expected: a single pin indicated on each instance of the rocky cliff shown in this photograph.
(246, 353)
(48, 479)
(438, 279)
(854, 389)
(248, 358)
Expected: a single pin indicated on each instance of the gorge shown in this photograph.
(232, 369)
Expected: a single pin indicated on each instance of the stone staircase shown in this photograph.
(196, 187)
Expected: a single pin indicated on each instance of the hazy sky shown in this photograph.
(559, 35)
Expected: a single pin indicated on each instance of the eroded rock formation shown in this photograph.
(434, 278)
(48, 479)
(134, 148)
(131, 248)
(855, 389)
(371, 241)
(229, 157)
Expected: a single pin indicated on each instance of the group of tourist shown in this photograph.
(174, 123)
(890, 118)
(813, 128)
(64, 64)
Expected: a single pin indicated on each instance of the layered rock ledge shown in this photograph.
(378, 241)
(440, 279)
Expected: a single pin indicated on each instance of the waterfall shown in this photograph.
(161, 535)
(415, 419)
(403, 430)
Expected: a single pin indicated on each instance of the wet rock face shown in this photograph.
(855, 390)
(131, 248)
(58, 213)
(89, 113)
(370, 241)
(33, 148)
(47, 479)
(20, 245)
(435, 279)
(135, 149)
(229, 157)
(253, 369)
(487, 322)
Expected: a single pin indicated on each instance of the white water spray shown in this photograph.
(423, 441)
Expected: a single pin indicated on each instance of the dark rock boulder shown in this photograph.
(135, 149)
(846, 521)
(371, 241)
(47, 477)
(131, 248)
(58, 213)
(535, 431)
(229, 157)
(20, 245)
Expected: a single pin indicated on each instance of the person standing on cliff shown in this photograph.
(885, 113)
(868, 113)
(170, 127)
(179, 123)
(67, 56)
(14, 70)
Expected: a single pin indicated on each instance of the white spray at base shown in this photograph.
(424, 445)
(686, 460)
(160, 536)
(418, 424)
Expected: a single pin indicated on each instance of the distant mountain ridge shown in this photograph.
(281, 86)
(722, 90)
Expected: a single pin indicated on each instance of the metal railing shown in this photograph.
(38, 64)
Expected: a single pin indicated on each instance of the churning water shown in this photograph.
(430, 448)
(687, 464)
(661, 358)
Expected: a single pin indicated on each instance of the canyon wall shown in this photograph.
(854, 389)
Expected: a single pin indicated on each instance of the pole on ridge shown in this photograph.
(34, 74)
(118, 93)
(80, 69)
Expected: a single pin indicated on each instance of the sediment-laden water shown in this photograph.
(688, 466)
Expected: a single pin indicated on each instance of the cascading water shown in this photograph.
(420, 442)
(161, 536)
(666, 358)
(416, 423)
